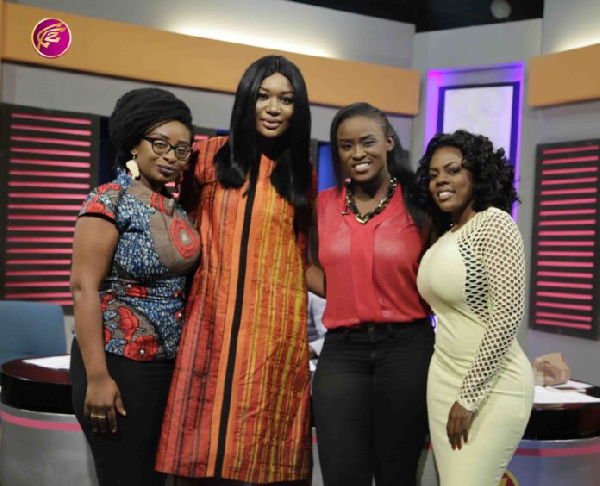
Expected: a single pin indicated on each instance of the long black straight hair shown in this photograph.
(398, 164)
(292, 174)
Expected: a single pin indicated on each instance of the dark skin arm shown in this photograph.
(93, 247)
(315, 280)
(315, 276)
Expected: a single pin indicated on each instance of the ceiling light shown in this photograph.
(299, 46)
(501, 9)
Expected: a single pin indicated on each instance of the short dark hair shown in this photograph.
(140, 110)
(292, 175)
(493, 176)
(398, 164)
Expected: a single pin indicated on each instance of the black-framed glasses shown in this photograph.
(161, 147)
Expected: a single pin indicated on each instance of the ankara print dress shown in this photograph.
(142, 294)
(474, 280)
(239, 401)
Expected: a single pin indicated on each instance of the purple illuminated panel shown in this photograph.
(443, 81)
(564, 267)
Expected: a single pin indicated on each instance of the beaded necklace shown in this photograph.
(364, 218)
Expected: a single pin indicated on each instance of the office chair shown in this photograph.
(30, 329)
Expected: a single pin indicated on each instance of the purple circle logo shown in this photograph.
(51, 37)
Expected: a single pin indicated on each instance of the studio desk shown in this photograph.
(41, 442)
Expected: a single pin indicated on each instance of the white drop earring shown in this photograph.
(132, 167)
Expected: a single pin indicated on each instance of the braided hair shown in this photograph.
(139, 111)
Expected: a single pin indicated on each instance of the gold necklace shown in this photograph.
(364, 218)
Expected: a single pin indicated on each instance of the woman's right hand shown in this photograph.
(102, 403)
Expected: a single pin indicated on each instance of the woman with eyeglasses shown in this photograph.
(132, 249)
(239, 404)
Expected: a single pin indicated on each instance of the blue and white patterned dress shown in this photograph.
(142, 294)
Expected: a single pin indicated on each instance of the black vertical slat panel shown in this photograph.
(565, 244)
(48, 162)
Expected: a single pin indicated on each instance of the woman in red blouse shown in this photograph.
(369, 387)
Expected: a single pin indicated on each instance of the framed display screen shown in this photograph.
(490, 110)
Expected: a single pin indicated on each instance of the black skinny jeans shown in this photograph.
(127, 457)
(369, 403)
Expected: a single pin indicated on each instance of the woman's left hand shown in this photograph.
(459, 420)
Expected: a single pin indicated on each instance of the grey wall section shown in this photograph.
(66, 90)
(570, 24)
(477, 46)
(486, 46)
(577, 121)
(70, 91)
(338, 35)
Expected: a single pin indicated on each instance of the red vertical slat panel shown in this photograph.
(565, 267)
(48, 163)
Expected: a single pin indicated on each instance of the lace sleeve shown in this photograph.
(498, 246)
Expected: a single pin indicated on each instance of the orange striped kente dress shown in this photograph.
(239, 401)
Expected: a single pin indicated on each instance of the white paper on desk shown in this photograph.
(547, 396)
(53, 362)
(572, 384)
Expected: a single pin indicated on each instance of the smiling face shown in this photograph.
(363, 148)
(158, 170)
(274, 106)
(451, 184)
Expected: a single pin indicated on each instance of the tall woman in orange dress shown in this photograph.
(239, 403)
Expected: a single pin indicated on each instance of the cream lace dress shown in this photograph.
(474, 280)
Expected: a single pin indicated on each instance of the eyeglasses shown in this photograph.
(160, 147)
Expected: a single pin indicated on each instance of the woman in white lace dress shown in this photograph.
(480, 384)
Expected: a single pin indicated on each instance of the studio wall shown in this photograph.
(570, 25)
(479, 55)
(87, 93)
(348, 36)
(476, 55)
(285, 25)
(566, 25)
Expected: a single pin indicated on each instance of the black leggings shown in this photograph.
(127, 457)
(369, 403)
